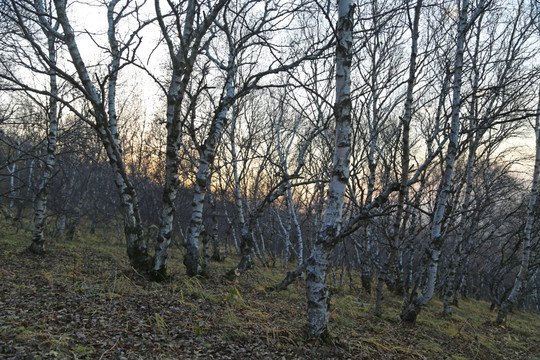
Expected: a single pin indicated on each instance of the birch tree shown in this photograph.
(241, 36)
(267, 189)
(183, 48)
(485, 113)
(523, 273)
(411, 311)
(316, 291)
(99, 93)
(284, 152)
(40, 203)
(405, 155)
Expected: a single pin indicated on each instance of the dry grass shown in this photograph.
(82, 300)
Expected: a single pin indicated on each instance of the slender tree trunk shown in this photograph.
(206, 160)
(214, 234)
(29, 189)
(367, 263)
(405, 154)
(107, 132)
(411, 311)
(246, 238)
(12, 190)
(411, 235)
(521, 277)
(316, 291)
(297, 227)
(293, 219)
(183, 60)
(286, 228)
(469, 171)
(40, 204)
(170, 188)
(232, 231)
(367, 266)
(261, 252)
(133, 231)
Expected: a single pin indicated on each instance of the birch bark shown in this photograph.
(40, 205)
(179, 80)
(316, 291)
(405, 155)
(106, 129)
(411, 311)
(472, 142)
(206, 160)
(478, 128)
(283, 153)
(521, 277)
(183, 60)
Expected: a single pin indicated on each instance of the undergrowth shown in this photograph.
(83, 300)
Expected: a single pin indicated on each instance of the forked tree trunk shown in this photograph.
(316, 291)
(206, 161)
(183, 60)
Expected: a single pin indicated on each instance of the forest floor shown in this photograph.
(82, 300)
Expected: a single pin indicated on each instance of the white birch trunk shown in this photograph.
(297, 227)
(450, 285)
(183, 60)
(261, 252)
(203, 178)
(411, 311)
(246, 240)
(170, 188)
(316, 291)
(405, 154)
(456, 260)
(286, 228)
(40, 204)
(521, 277)
(12, 191)
(181, 72)
(107, 132)
(289, 203)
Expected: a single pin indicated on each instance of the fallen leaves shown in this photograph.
(83, 303)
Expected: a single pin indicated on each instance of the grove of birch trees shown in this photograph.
(393, 141)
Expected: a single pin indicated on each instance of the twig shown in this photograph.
(108, 350)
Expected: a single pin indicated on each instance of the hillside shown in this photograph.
(82, 300)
